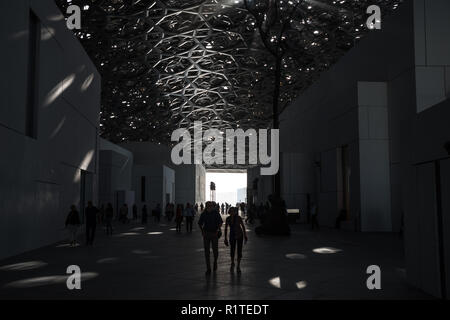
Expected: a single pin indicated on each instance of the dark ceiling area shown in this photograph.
(167, 63)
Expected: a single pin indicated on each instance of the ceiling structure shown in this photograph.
(168, 63)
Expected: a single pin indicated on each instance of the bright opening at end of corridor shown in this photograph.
(230, 186)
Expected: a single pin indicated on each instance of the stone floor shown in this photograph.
(154, 262)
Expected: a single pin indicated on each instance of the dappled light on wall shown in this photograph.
(59, 89)
(87, 82)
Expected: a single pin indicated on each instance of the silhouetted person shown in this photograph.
(210, 223)
(341, 217)
(237, 236)
(124, 213)
(242, 206)
(144, 214)
(157, 213)
(260, 212)
(251, 213)
(179, 217)
(72, 224)
(275, 220)
(202, 207)
(314, 221)
(91, 223)
(171, 211)
(167, 211)
(109, 214)
(101, 215)
(222, 208)
(135, 212)
(189, 214)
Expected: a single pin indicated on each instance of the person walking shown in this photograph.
(179, 217)
(135, 212)
(91, 223)
(189, 215)
(157, 213)
(238, 235)
(167, 211)
(109, 214)
(210, 224)
(72, 224)
(144, 214)
(101, 215)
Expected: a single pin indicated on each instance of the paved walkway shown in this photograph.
(154, 262)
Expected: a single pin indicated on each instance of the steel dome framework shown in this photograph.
(168, 63)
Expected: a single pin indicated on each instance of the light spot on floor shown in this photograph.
(22, 266)
(125, 234)
(141, 251)
(326, 250)
(295, 256)
(301, 284)
(47, 280)
(107, 260)
(67, 245)
(276, 282)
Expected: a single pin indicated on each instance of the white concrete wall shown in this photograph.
(387, 99)
(264, 186)
(40, 178)
(185, 184)
(168, 186)
(190, 183)
(153, 161)
(115, 171)
(149, 160)
(200, 180)
(374, 158)
(337, 110)
(432, 29)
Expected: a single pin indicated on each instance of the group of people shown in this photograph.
(92, 217)
(181, 213)
(210, 224)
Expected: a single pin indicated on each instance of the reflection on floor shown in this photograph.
(154, 262)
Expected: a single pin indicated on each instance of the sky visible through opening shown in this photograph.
(230, 187)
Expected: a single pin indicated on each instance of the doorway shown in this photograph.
(231, 185)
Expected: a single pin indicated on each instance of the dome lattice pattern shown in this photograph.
(168, 63)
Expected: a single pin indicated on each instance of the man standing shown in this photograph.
(189, 215)
(91, 223)
(210, 223)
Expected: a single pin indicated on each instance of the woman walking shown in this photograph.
(238, 235)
